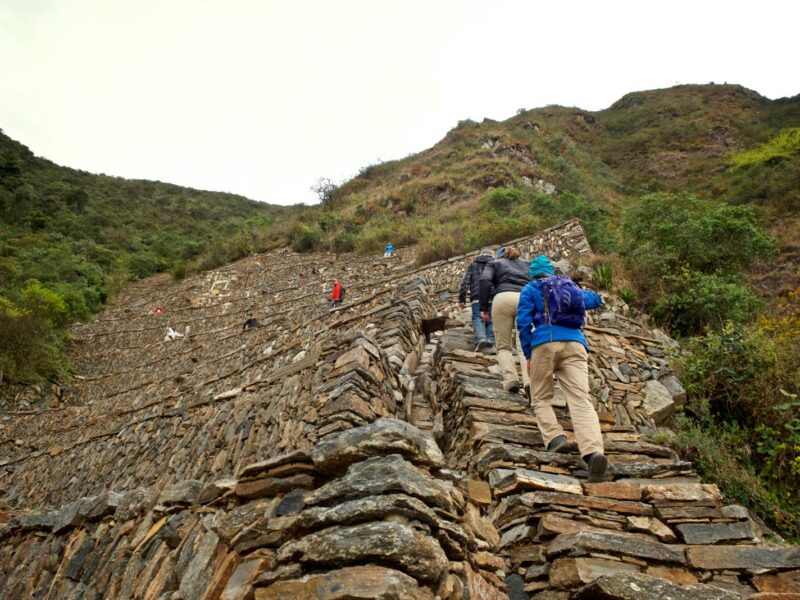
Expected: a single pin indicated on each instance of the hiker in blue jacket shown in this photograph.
(550, 315)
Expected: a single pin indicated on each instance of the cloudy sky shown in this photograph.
(262, 97)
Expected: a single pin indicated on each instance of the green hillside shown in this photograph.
(69, 240)
(682, 139)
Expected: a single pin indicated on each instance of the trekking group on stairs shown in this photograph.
(548, 310)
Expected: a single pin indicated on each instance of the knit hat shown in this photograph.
(500, 252)
(541, 265)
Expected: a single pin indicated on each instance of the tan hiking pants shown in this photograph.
(504, 314)
(569, 362)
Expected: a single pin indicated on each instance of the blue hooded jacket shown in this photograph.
(531, 299)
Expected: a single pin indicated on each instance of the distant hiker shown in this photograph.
(251, 323)
(504, 277)
(555, 306)
(158, 310)
(337, 294)
(482, 333)
(314, 271)
(388, 251)
(172, 334)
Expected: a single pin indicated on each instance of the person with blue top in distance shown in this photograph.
(550, 315)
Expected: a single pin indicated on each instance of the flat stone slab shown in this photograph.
(689, 492)
(181, 492)
(572, 572)
(631, 586)
(711, 533)
(253, 469)
(272, 486)
(385, 436)
(555, 498)
(717, 558)
(585, 542)
(351, 582)
(619, 490)
(411, 551)
(786, 582)
(371, 508)
(504, 481)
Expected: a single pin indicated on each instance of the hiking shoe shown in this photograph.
(481, 345)
(513, 387)
(597, 467)
(527, 388)
(558, 444)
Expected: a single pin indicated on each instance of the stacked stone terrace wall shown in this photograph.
(338, 454)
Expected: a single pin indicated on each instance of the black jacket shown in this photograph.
(505, 275)
(472, 277)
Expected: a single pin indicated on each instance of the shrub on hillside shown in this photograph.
(721, 455)
(30, 343)
(304, 238)
(663, 232)
(503, 199)
(696, 301)
(686, 258)
(747, 375)
(783, 146)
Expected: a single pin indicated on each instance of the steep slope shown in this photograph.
(69, 240)
(88, 233)
(340, 454)
(568, 162)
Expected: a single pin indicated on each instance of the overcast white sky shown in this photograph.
(262, 97)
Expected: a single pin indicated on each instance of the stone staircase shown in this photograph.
(337, 454)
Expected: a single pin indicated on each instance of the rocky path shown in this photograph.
(337, 454)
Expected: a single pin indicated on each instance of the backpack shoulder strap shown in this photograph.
(546, 298)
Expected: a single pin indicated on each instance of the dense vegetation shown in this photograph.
(69, 240)
(689, 195)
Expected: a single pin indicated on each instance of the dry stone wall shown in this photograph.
(335, 454)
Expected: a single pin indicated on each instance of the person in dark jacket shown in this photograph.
(561, 350)
(482, 333)
(250, 323)
(505, 278)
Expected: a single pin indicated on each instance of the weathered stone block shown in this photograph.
(505, 481)
(787, 582)
(717, 558)
(182, 492)
(382, 475)
(658, 403)
(572, 572)
(386, 436)
(630, 586)
(354, 583)
(618, 490)
(389, 543)
(711, 533)
(690, 492)
(585, 542)
(272, 486)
